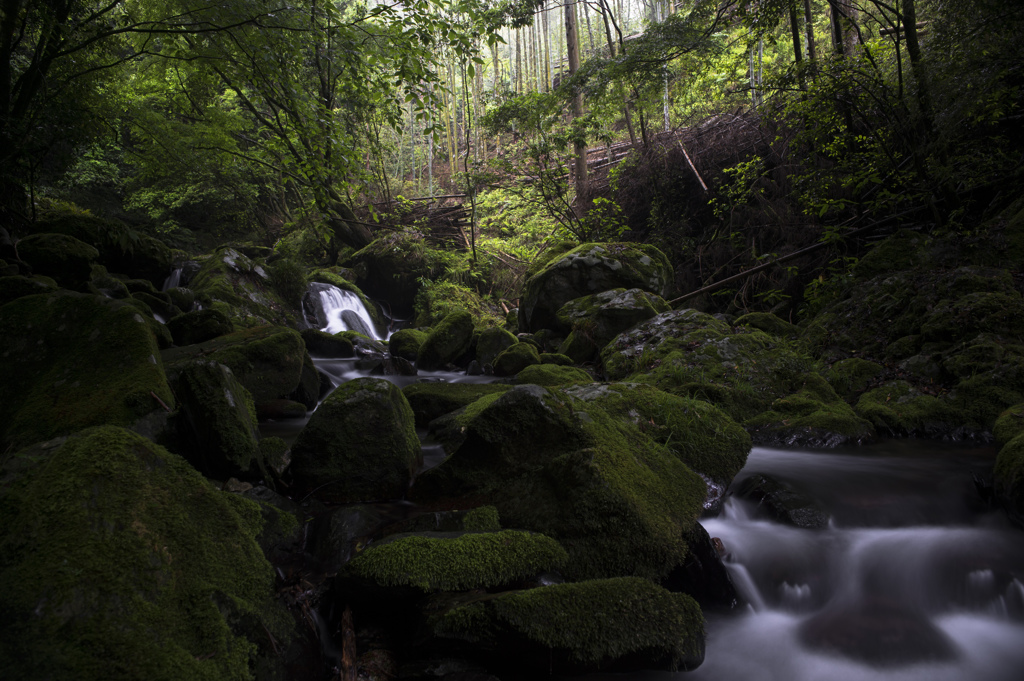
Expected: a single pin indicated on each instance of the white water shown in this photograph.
(173, 279)
(914, 580)
(334, 302)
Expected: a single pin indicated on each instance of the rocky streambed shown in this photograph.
(151, 529)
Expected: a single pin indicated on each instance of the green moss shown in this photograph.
(904, 250)
(129, 565)
(552, 374)
(1010, 424)
(1008, 477)
(546, 256)
(359, 445)
(406, 343)
(439, 299)
(199, 326)
(595, 622)
(71, 361)
(491, 342)
(469, 561)
(323, 344)
(700, 434)
(515, 358)
(241, 288)
(14, 287)
(770, 324)
(900, 409)
(67, 259)
(814, 416)
(447, 341)
(432, 399)
(850, 377)
(483, 519)
(555, 358)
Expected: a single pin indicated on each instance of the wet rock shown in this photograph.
(240, 287)
(590, 269)
(394, 366)
(199, 326)
(491, 343)
(593, 321)
(13, 287)
(813, 417)
(336, 536)
(1008, 478)
(430, 400)
(278, 410)
(552, 374)
(323, 344)
(71, 361)
(881, 634)
(703, 576)
(406, 343)
(447, 341)
(307, 391)
(359, 445)
(783, 503)
(391, 268)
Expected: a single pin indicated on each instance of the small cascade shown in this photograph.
(337, 310)
(173, 280)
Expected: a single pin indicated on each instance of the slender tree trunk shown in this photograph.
(572, 43)
(809, 29)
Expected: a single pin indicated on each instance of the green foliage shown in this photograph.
(289, 279)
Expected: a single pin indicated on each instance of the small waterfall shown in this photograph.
(173, 280)
(337, 310)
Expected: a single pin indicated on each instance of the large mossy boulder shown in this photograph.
(900, 409)
(323, 344)
(552, 374)
(700, 434)
(621, 623)
(593, 321)
(618, 501)
(742, 370)
(1008, 478)
(492, 342)
(456, 561)
(267, 360)
(590, 269)
(359, 445)
(406, 343)
(814, 416)
(447, 342)
(515, 358)
(19, 286)
(128, 564)
(218, 420)
(71, 361)
(391, 269)
(64, 258)
(243, 290)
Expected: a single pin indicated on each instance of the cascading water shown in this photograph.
(338, 310)
(173, 280)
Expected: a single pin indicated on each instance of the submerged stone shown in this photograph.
(781, 502)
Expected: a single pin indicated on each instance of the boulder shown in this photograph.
(74, 360)
(199, 326)
(618, 501)
(552, 374)
(814, 416)
(19, 286)
(218, 421)
(447, 342)
(590, 269)
(781, 502)
(129, 565)
(593, 321)
(1008, 478)
(240, 287)
(267, 360)
(432, 399)
(406, 343)
(515, 358)
(64, 258)
(391, 269)
(322, 344)
(898, 408)
(491, 343)
(307, 392)
(359, 445)
(626, 623)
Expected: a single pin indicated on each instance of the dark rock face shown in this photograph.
(64, 258)
(360, 445)
(782, 503)
(703, 576)
(323, 344)
(199, 326)
(590, 269)
(593, 321)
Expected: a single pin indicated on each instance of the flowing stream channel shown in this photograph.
(914, 579)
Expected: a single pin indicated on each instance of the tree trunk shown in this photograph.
(572, 43)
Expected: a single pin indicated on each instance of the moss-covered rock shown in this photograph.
(219, 421)
(160, 303)
(814, 416)
(129, 565)
(406, 343)
(700, 434)
(267, 360)
(898, 408)
(1008, 478)
(1010, 424)
(618, 501)
(783, 503)
(691, 354)
(199, 326)
(323, 344)
(437, 300)
(458, 562)
(555, 358)
(515, 358)
(552, 374)
(903, 250)
(492, 342)
(64, 258)
(625, 622)
(433, 399)
(447, 342)
(769, 323)
(241, 288)
(965, 317)
(102, 283)
(851, 377)
(391, 269)
(593, 321)
(589, 269)
(75, 360)
(359, 445)
(18, 286)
